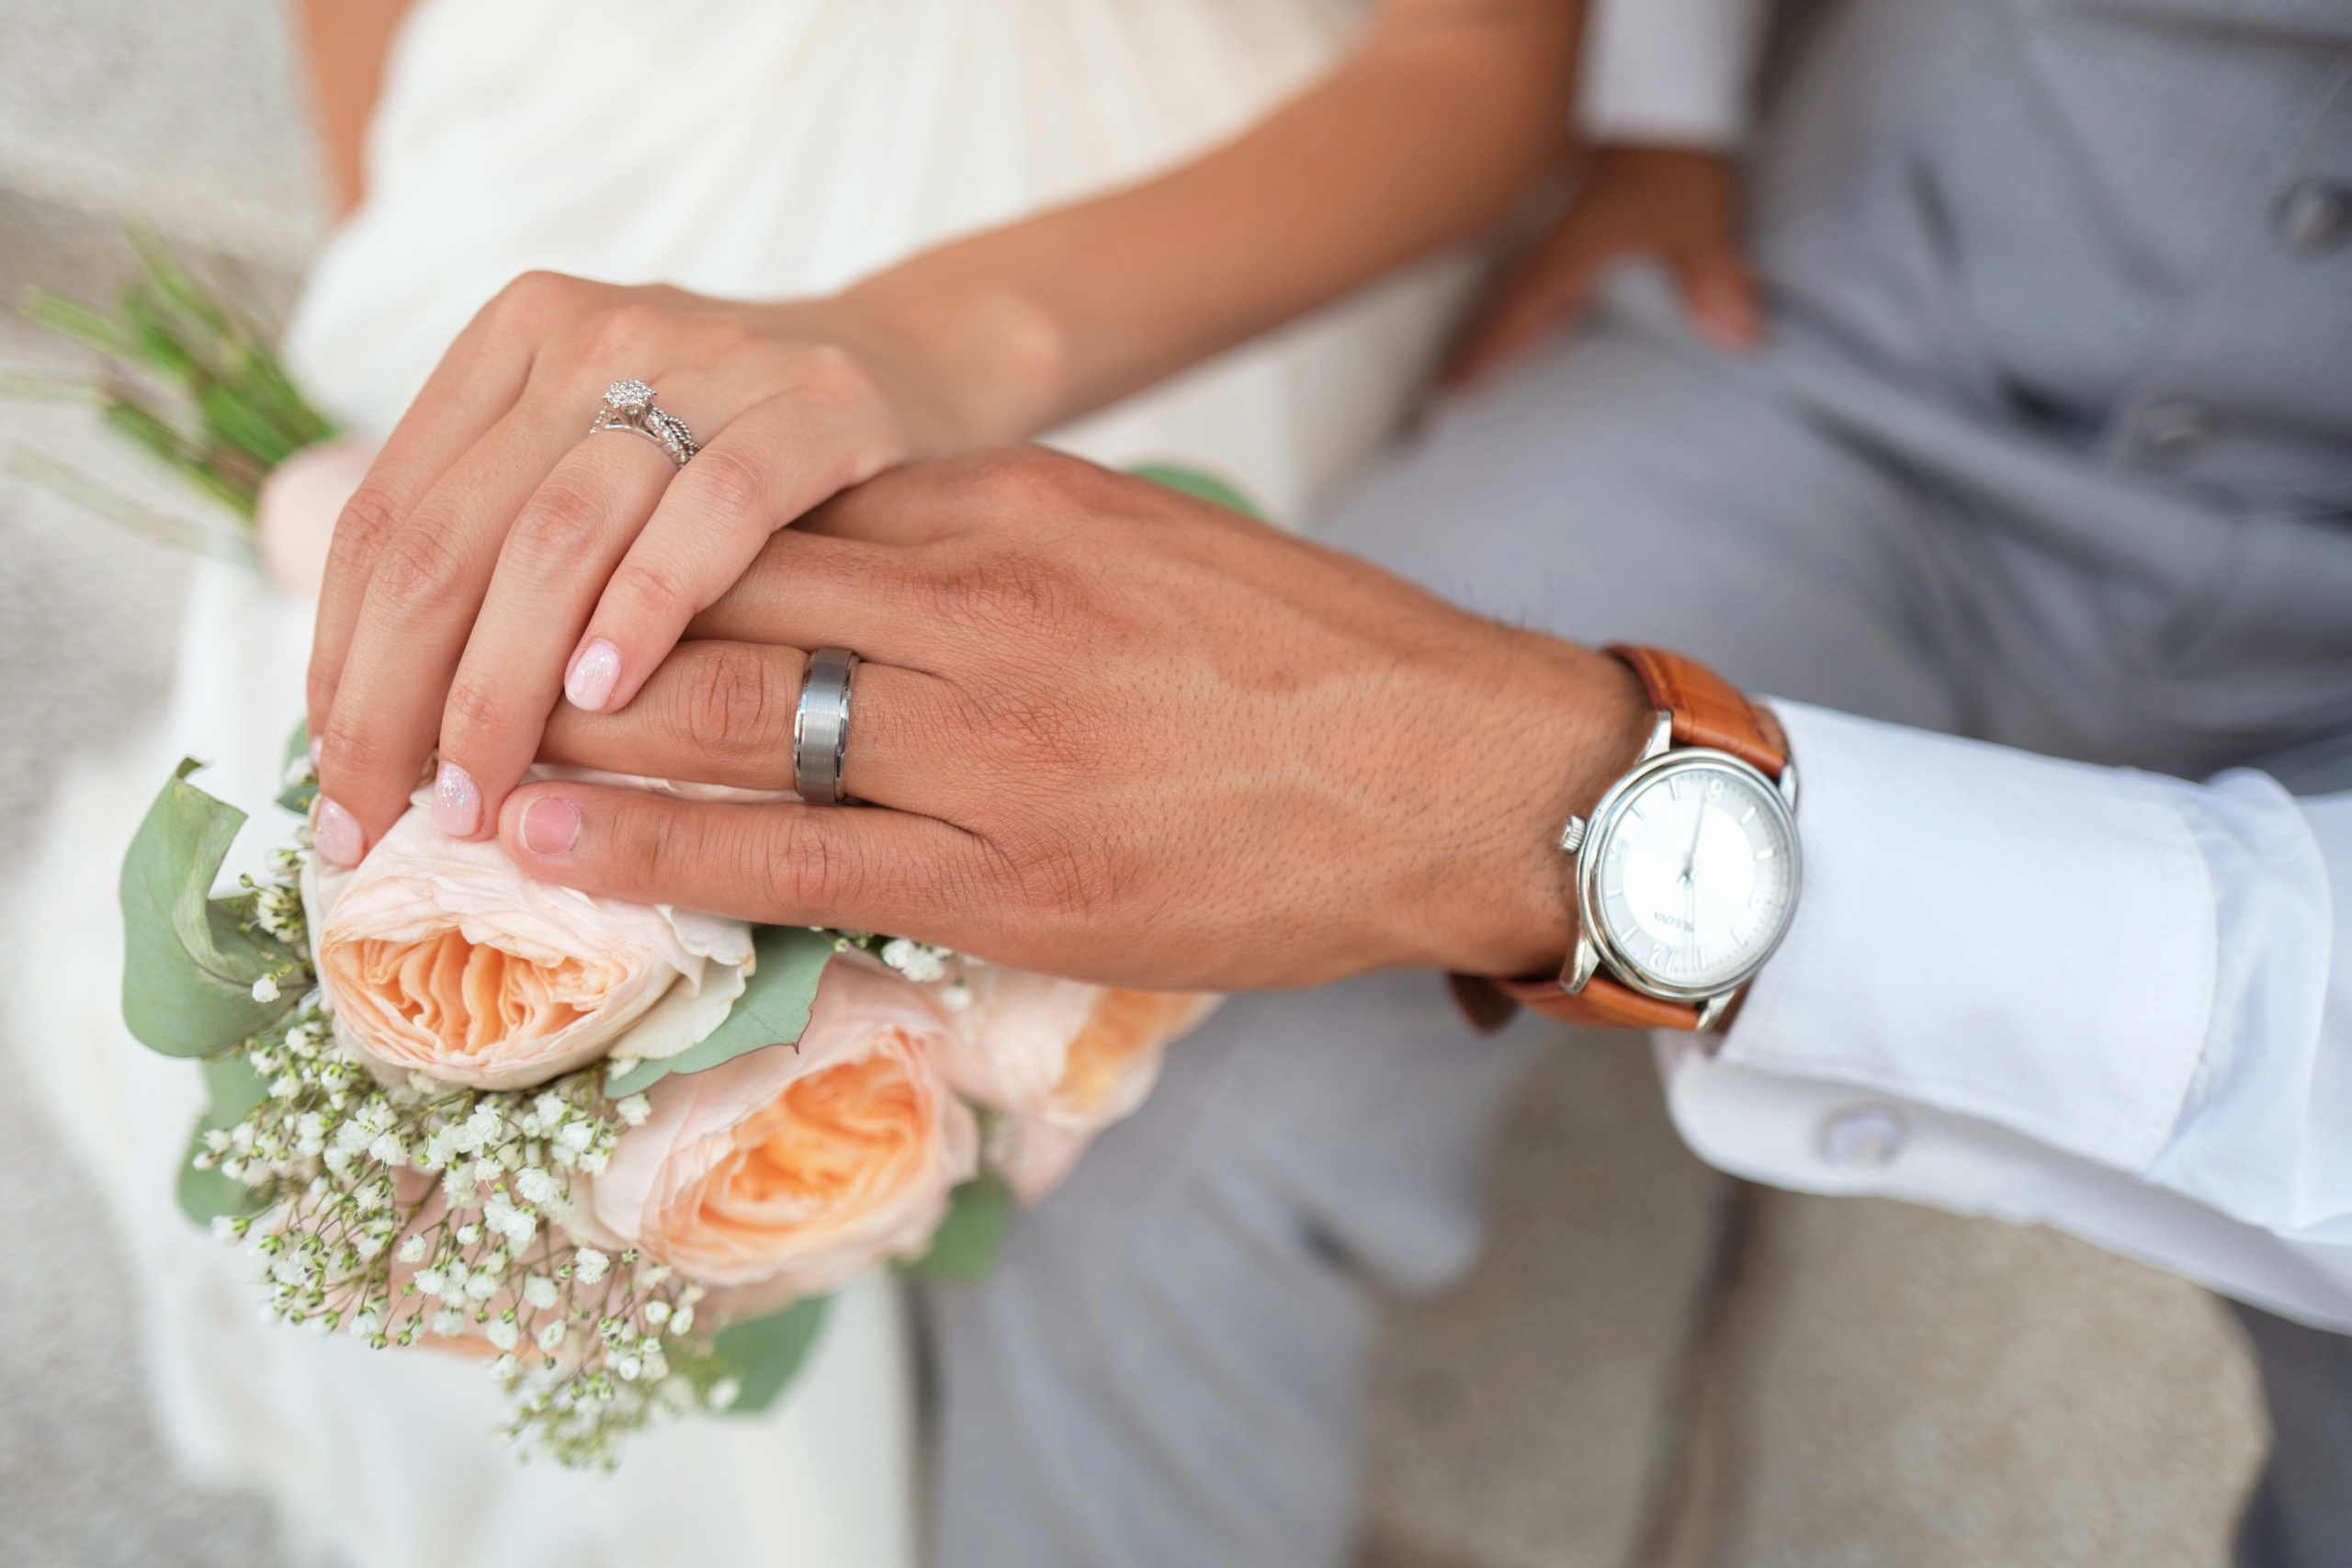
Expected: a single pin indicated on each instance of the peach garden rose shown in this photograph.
(1072, 1056)
(440, 957)
(786, 1171)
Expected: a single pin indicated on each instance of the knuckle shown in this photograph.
(475, 708)
(723, 485)
(1062, 879)
(346, 749)
(418, 570)
(1022, 597)
(665, 850)
(1021, 478)
(725, 701)
(368, 521)
(562, 525)
(618, 330)
(530, 298)
(830, 371)
(810, 868)
(652, 588)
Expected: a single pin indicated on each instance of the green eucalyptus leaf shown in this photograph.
(235, 1088)
(966, 1245)
(297, 797)
(764, 1353)
(773, 1010)
(191, 960)
(1195, 482)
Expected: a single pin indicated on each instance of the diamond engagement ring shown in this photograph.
(820, 727)
(628, 405)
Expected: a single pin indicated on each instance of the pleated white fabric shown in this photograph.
(736, 149)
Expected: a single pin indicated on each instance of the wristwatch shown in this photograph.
(1685, 874)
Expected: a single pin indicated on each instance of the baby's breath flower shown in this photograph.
(266, 990)
(918, 964)
(536, 1186)
(592, 1265)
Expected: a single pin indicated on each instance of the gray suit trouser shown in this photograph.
(2053, 447)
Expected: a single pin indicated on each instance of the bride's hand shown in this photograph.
(496, 558)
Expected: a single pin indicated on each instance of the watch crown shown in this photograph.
(1572, 836)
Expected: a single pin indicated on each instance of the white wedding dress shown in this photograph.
(734, 147)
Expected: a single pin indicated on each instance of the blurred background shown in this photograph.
(1654, 1364)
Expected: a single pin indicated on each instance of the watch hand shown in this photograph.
(1690, 882)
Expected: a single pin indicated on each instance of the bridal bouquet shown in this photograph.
(618, 1152)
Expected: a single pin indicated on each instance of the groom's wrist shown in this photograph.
(1551, 738)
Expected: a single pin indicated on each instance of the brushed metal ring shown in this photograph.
(820, 726)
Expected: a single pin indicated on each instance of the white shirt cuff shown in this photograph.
(2026, 942)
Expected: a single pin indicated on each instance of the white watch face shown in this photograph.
(1695, 876)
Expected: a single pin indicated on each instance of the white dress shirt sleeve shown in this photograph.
(1675, 71)
(2109, 1001)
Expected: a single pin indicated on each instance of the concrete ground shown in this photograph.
(1654, 1366)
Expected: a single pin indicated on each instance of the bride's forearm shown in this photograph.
(1419, 138)
(344, 42)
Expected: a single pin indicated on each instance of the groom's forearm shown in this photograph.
(1419, 138)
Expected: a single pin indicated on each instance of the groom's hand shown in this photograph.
(1108, 731)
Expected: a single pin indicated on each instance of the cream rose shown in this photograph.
(438, 955)
(1071, 1057)
(789, 1169)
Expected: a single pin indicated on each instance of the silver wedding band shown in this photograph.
(820, 727)
(629, 405)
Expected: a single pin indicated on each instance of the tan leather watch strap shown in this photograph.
(1705, 711)
(1602, 1004)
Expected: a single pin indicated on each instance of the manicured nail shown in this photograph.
(456, 802)
(337, 834)
(592, 675)
(550, 825)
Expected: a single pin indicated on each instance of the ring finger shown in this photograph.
(565, 543)
(722, 712)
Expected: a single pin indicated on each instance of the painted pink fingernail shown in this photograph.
(337, 834)
(456, 802)
(593, 674)
(550, 827)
